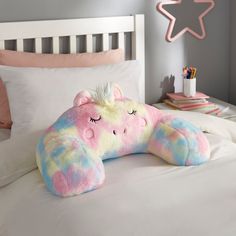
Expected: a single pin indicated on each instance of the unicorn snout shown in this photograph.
(115, 132)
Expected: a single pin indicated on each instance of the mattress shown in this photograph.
(142, 195)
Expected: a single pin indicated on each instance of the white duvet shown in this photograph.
(142, 195)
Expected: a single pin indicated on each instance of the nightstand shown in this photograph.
(228, 110)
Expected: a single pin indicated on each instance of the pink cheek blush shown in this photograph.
(142, 122)
(89, 133)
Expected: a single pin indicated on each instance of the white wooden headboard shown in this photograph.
(37, 30)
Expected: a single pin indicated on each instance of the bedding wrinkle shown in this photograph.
(17, 157)
(223, 128)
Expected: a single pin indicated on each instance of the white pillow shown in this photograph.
(38, 96)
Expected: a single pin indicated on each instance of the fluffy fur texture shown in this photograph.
(106, 125)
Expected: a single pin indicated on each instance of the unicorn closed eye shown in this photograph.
(107, 125)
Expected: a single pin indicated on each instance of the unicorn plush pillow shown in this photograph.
(106, 125)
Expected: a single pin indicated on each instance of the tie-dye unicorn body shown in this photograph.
(70, 153)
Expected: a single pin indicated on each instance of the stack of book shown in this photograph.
(198, 103)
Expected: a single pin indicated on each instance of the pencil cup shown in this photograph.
(190, 87)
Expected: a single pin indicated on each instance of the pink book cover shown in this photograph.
(180, 96)
(208, 107)
(194, 106)
(216, 111)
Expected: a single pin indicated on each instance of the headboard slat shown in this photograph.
(20, 45)
(121, 40)
(55, 45)
(73, 44)
(89, 43)
(2, 44)
(105, 42)
(38, 45)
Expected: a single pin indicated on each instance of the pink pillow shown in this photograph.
(27, 59)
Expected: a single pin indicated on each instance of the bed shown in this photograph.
(142, 194)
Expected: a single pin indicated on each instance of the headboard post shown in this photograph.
(138, 48)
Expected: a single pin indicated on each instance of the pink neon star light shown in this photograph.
(186, 29)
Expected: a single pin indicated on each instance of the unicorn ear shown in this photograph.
(117, 91)
(82, 98)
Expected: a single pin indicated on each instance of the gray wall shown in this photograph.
(210, 56)
(164, 61)
(233, 54)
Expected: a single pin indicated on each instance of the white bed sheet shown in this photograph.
(142, 195)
